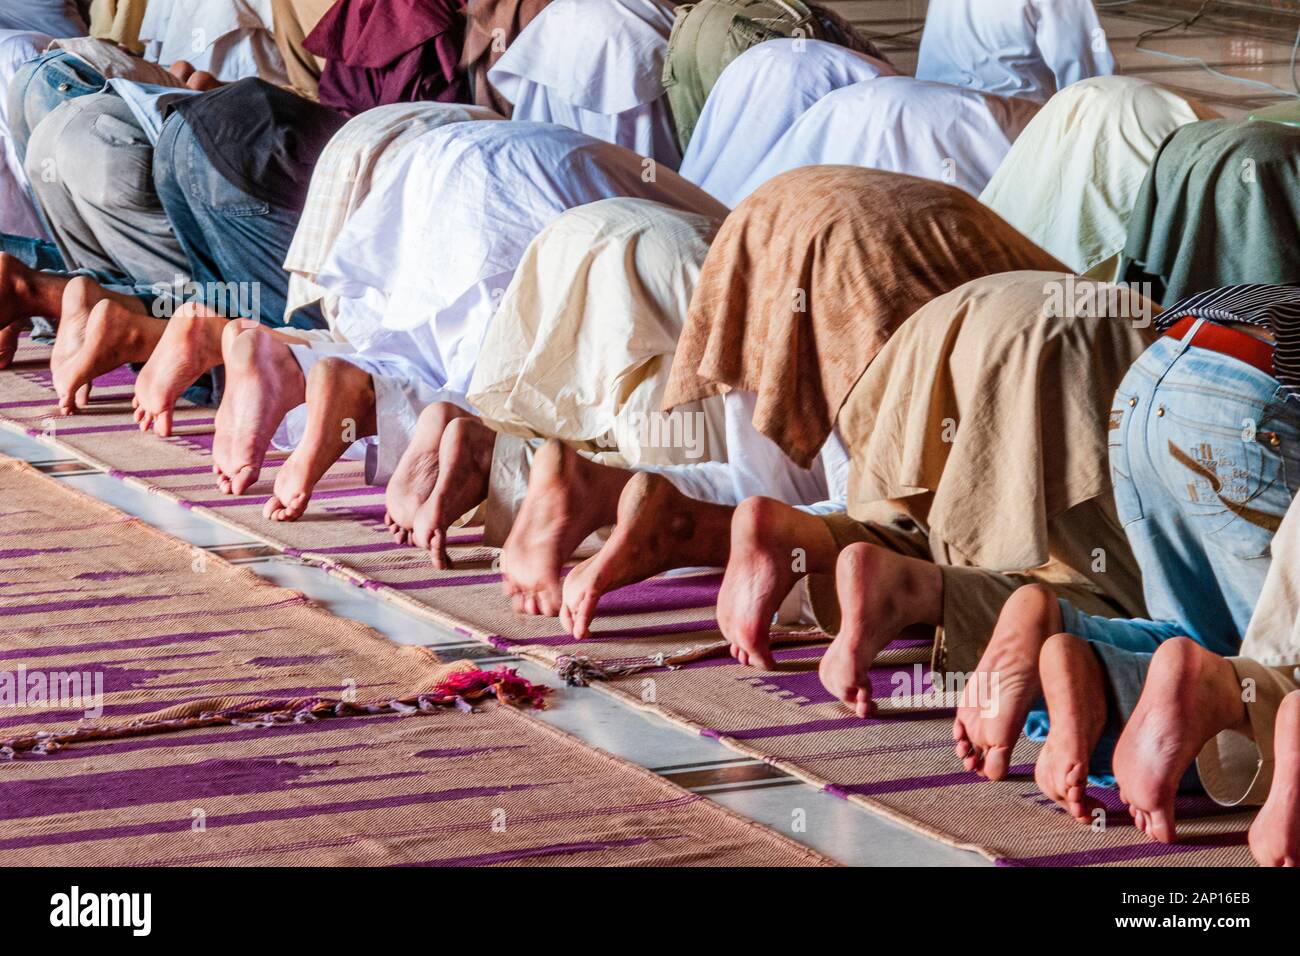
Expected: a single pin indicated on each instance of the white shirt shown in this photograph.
(231, 39)
(56, 18)
(438, 239)
(595, 66)
(18, 214)
(902, 125)
(756, 100)
(755, 465)
(1029, 48)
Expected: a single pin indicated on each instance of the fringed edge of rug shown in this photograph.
(579, 670)
(460, 689)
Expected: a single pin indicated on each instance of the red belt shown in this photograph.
(1228, 341)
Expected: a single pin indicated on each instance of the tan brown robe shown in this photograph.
(809, 277)
(979, 440)
(490, 26)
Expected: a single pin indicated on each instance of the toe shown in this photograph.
(9, 343)
(243, 478)
(1161, 825)
(997, 762)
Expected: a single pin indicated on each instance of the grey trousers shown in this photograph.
(91, 167)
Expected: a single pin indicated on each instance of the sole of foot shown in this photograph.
(880, 594)
(996, 701)
(1275, 834)
(656, 528)
(114, 335)
(769, 554)
(340, 410)
(465, 467)
(417, 470)
(568, 498)
(190, 347)
(1075, 691)
(1190, 695)
(263, 382)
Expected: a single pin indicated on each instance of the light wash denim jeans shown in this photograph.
(41, 86)
(1205, 460)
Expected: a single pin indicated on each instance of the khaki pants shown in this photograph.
(294, 20)
(972, 597)
(1234, 769)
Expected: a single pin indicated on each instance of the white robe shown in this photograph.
(18, 216)
(421, 266)
(902, 125)
(595, 66)
(755, 465)
(756, 100)
(1029, 48)
(231, 39)
(56, 18)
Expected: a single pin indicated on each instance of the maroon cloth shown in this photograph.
(389, 51)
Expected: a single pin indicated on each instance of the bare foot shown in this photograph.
(1191, 694)
(80, 296)
(340, 410)
(772, 546)
(190, 346)
(182, 70)
(114, 335)
(465, 465)
(1275, 834)
(881, 593)
(263, 382)
(202, 81)
(568, 498)
(10, 335)
(1075, 689)
(986, 730)
(657, 528)
(417, 470)
(24, 292)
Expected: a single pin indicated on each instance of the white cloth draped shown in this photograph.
(595, 66)
(756, 466)
(421, 266)
(583, 341)
(902, 125)
(56, 18)
(1072, 179)
(756, 100)
(231, 39)
(18, 214)
(1029, 48)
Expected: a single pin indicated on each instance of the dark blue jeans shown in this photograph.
(235, 242)
(44, 256)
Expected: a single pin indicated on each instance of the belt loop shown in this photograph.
(1191, 333)
(1185, 342)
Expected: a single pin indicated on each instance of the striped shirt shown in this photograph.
(1272, 307)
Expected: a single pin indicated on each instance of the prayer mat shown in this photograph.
(156, 710)
(655, 645)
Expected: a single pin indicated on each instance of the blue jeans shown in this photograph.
(40, 254)
(1205, 460)
(228, 236)
(42, 85)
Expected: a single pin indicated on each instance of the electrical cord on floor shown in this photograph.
(1190, 21)
(1182, 24)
